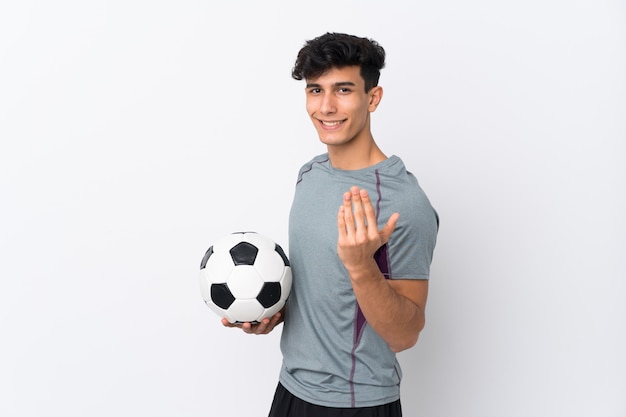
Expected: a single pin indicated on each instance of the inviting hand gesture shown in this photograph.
(359, 237)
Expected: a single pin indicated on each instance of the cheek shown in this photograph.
(311, 106)
(359, 113)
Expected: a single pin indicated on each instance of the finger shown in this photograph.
(348, 217)
(357, 207)
(226, 323)
(261, 327)
(269, 324)
(341, 223)
(370, 214)
(389, 227)
(247, 327)
(275, 319)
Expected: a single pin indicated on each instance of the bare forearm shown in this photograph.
(395, 310)
(394, 317)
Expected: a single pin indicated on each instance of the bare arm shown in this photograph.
(393, 308)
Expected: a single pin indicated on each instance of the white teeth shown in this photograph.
(330, 123)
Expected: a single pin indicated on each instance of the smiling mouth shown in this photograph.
(331, 123)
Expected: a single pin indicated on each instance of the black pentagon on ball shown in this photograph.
(281, 252)
(269, 294)
(221, 296)
(244, 253)
(207, 255)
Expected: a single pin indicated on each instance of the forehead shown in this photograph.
(351, 74)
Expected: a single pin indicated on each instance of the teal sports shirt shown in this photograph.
(331, 357)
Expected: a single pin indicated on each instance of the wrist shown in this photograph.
(367, 271)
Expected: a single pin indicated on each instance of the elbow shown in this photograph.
(405, 344)
(408, 341)
(396, 348)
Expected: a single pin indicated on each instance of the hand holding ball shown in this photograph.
(245, 277)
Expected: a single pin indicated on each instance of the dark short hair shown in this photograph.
(338, 50)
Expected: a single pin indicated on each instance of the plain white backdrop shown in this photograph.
(134, 133)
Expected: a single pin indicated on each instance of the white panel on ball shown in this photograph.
(245, 310)
(244, 282)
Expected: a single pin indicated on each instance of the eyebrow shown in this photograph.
(337, 84)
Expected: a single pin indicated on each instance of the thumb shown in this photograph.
(389, 227)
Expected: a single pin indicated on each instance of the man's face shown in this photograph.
(339, 107)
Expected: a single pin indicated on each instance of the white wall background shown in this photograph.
(133, 133)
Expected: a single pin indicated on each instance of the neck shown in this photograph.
(351, 158)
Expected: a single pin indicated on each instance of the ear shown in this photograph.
(375, 95)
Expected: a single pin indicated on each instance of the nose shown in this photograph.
(327, 104)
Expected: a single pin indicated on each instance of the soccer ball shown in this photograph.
(245, 277)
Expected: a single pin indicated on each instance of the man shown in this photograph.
(361, 238)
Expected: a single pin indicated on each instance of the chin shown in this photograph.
(333, 142)
(333, 139)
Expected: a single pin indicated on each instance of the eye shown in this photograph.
(344, 90)
(315, 90)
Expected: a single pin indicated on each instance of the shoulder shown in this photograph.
(319, 161)
(394, 176)
(407, 195)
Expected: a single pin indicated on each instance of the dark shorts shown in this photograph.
(285, 404)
